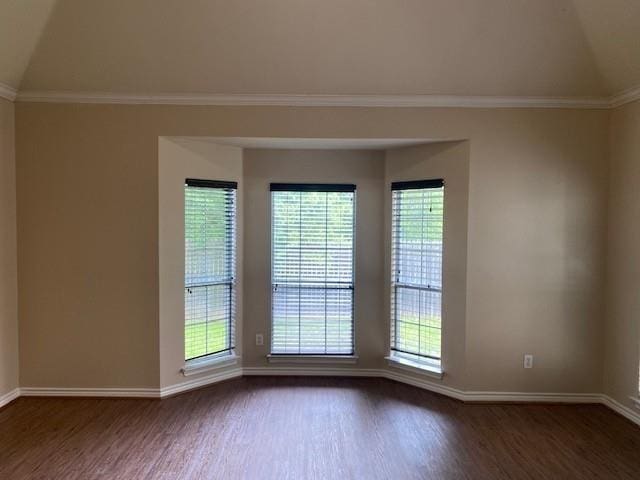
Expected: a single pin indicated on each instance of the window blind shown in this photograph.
(312, 269)
(416, 283)
(210, 257)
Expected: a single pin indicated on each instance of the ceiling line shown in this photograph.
(433, 101)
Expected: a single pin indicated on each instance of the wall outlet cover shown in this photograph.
(528, 361)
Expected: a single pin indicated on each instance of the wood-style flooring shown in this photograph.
(312, 428)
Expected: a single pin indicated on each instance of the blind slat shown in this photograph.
(210, 252)
(417, 245)
(312, 269)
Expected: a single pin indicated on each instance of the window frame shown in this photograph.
(398, 357)
(195, 364)
(298, 357)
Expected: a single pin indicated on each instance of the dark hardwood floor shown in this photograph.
(312, 428)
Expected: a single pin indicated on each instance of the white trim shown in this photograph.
(465, 396)
(131, 392)
(430, 370)
(428, 385)
(417, 381)
(89, 392)
(205, 364)
(311, 372)
(621, 409)
(449, 101)
(9, 397)
(7, 92)
(636, 400)
(624, 97)
(199, 382)
(516, 397)
(532, 397)
(309, 100)
(313, 359)
(424, 384)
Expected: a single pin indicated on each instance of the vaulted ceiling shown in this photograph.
(400, 47)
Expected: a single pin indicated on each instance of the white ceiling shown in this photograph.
(340, 47)
(612, 28)
(21, 25)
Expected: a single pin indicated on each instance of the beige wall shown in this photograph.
(8, 271)
(366, 170)
(87, 249)
(537, 220)
(622, 334)
(449, 161)
(88, 234)
(179, 159)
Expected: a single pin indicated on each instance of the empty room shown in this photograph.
(319, 239)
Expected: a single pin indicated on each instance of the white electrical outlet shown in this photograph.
(528, 361)
(259, 339)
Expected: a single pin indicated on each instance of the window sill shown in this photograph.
(636, 400)
(313, 359)
(433, 371)
(205, 364)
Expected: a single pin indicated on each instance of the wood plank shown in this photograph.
(308, 428)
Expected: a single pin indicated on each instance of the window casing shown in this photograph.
(312, 269)
(416, 270)
(210, 262)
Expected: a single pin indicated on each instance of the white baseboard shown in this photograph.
(131, 392)
(9, 397)
(616, 406)
(532, 397)
(310, 371)
(199, 382)
(424, 383)
(428, 384)
(90, 392)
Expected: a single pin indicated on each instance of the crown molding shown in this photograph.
(626, 96)
(7, 92)
(434, 101)
(408, 101)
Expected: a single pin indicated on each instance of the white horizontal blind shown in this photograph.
(416, 283)
(312, 269)
(210, 257)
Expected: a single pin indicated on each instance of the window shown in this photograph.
(210, 251)
(312, 269)
(416, 283)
